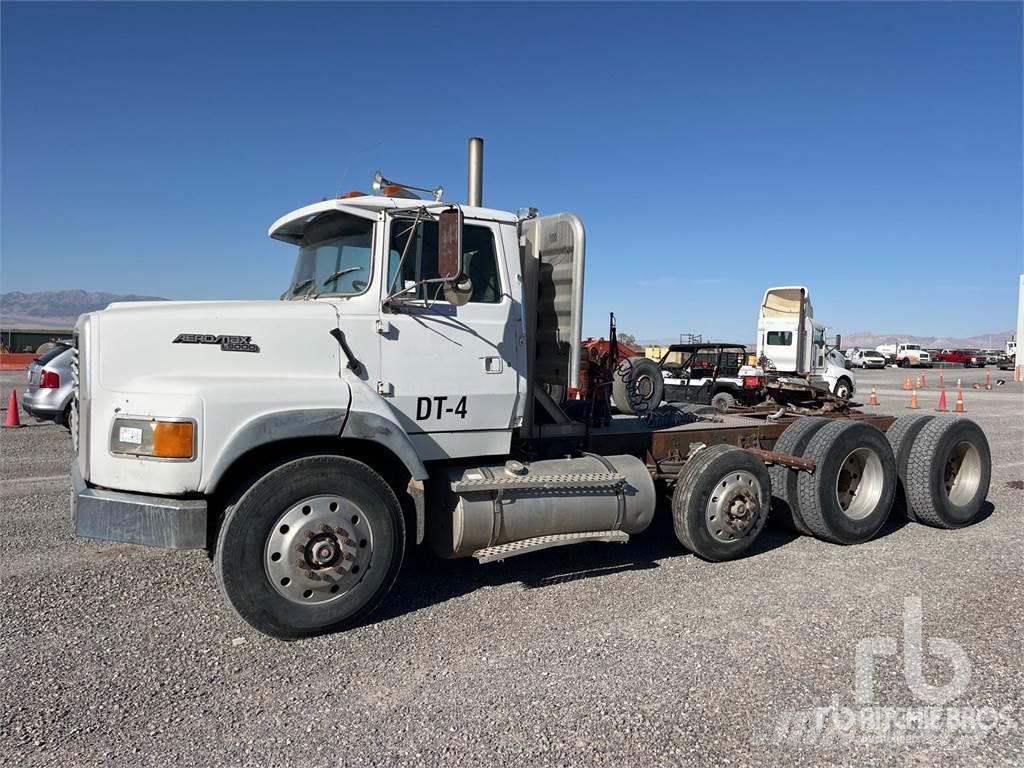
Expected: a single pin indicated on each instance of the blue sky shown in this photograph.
(870, 151)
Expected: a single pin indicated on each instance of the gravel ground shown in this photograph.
(589, 655)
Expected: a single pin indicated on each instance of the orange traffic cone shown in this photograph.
(1016, 375)
(988, 379)
(924, 382)
(942, 381)
(908, 384)
(13, 417)
(960, 401)
(913, 401)
(873, 400)
(958, 385)
(942, 401)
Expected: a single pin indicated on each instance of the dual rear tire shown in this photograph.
(945, 469)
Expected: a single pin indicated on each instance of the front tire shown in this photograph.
(312, 547)
(843, 389)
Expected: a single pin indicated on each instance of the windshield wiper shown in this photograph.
(335, 275)
(290, 293)
(330, 279)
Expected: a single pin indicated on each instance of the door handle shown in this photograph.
(493, 365)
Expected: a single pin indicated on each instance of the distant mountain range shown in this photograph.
(868, 340)
(56, 309)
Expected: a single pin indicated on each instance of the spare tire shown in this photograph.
(901, 436)
(637, 386)
(848, 497)
(948, 472)
(785, 501)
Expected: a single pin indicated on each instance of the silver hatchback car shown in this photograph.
(49, 391)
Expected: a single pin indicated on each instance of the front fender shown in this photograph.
(371, 418)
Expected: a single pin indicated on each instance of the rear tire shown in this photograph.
(332, 501)
(637, 386)
(849, 496)
(785, 501)
(723, 401)
(721, 502)
(948, 473)
(901, 436)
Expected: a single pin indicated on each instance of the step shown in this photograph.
(540, 482)
(513, 548)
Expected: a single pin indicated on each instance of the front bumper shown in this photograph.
(135, 518)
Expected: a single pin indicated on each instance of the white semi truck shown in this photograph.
(906, 354)
(399, 393)
(791, 342)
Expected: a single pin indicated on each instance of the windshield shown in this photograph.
(911, 346)
(872, 354)
(334, 258)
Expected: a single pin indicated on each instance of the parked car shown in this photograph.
(867, 358)
(49, 391)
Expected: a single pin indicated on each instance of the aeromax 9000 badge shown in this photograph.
(227, 343)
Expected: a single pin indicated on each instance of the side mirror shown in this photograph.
(449, 244)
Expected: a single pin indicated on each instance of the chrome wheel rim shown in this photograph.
(318, 550)
(859, 483)
(962, 473)
(734, 506)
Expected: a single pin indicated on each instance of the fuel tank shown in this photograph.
(485, 506)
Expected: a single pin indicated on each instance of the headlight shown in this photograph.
(160, 438)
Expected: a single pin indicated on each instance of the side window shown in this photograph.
(779, 338)
(480, 259)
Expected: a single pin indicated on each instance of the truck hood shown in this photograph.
(184, 341)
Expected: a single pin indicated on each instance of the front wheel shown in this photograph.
(311, 547)
(843, 389)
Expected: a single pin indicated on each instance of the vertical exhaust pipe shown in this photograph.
(475, 177)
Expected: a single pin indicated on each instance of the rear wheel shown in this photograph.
(849, 495)
(948, 472)
(901, 436)
(721, 502)
(785, 500)
(723, 401)
(637, 385)
(311, 547)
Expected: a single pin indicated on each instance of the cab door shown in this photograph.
(448, 371)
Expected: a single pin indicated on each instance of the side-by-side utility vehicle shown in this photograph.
(400, 392)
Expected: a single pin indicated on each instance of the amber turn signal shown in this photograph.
(173, 439)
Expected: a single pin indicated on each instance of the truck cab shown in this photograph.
(791, 342)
